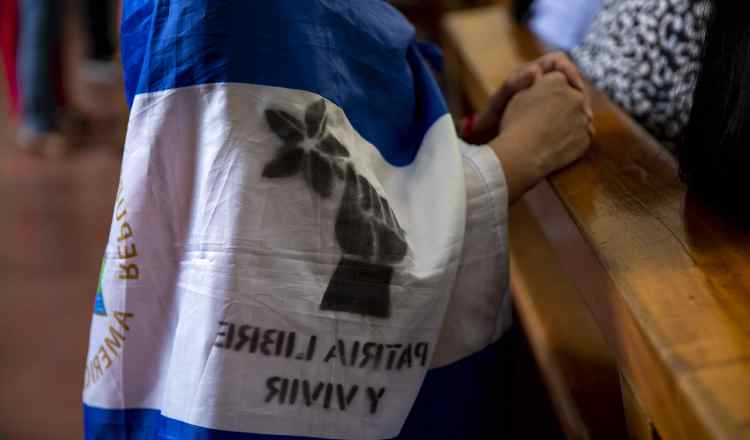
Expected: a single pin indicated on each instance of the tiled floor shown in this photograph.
(54, 220)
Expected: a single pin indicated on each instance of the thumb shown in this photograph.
(516, 82)
(487, 125)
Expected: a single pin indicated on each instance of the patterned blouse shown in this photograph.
(645, 54)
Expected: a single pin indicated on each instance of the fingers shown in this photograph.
(555, 66)
(523, 78)
(487, 124)
(527, 75)
(576, 145)
(587, 131)
(558, 80)
(559, 62)
(518, 81)
(576, 99)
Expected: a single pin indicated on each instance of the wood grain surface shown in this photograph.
(667, 282)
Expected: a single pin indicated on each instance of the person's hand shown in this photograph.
(487, 123)
(544, 128)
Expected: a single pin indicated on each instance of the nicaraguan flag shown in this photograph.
(301, 247)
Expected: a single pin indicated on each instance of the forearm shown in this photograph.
(522, 170)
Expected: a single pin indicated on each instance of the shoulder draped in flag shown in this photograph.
(291, 251)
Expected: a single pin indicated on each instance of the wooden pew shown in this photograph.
(578, 368)
(615, 269)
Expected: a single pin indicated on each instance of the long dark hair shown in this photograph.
(714, 155)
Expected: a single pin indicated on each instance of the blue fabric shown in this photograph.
(360, 54)
(465, 400)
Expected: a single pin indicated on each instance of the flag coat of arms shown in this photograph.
(301, 246)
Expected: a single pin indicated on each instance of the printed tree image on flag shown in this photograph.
(366, 227)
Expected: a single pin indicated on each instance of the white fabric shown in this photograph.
(202, 244)
(480, 308)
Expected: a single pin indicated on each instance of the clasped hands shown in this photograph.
(539, 121)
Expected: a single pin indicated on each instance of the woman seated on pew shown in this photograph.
(645, 55)
(302, 247)
(681, 68)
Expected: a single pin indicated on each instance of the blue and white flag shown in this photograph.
(301, 246)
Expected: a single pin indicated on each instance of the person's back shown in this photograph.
(299, 234)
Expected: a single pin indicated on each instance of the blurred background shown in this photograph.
(62, 125)
(57, 191)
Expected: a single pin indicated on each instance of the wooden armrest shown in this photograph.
(667, 282)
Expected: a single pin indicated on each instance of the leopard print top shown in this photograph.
(645, 54)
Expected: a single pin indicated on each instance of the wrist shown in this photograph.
(523, 169)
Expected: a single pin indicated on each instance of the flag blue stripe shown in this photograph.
(464, 400)
(360, 54)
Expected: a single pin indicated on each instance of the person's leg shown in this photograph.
(100, 19)
(100, 66)
(39, 39)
